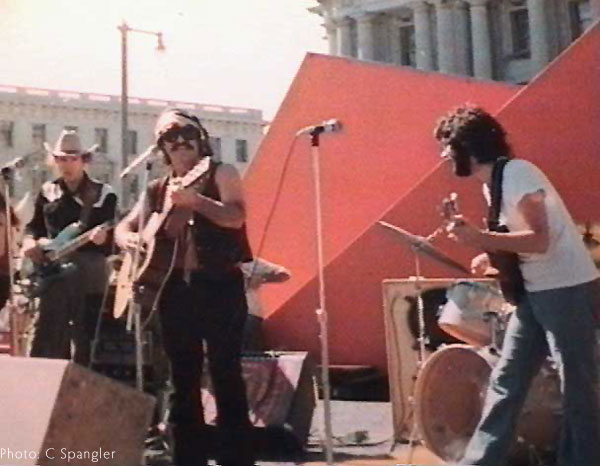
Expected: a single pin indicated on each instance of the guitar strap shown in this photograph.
(178, 218)
(496, 194)
(507, 262)
(88, 196)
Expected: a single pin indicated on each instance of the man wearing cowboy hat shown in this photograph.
(68, 309)
(203, 299)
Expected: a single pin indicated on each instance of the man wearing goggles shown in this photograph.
(203, 303)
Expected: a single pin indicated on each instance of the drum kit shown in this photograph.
(451, 382)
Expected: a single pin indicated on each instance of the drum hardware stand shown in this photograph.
(417, 248)
(421, 354)
(494, 320)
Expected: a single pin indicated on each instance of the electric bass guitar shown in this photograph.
(149, 268)
(505, 266)
(56, 253)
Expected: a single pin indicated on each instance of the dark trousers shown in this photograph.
(253, 340)
(561, 322)
(212, 311)
(68, 311)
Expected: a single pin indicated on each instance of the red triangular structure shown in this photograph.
(385, 149)
(554, 122)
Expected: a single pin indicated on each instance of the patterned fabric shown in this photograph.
(56, 207)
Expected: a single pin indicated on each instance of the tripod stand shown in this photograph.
(420, 245)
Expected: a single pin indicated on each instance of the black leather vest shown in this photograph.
(219, 249)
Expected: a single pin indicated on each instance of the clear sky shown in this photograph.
(229, 52)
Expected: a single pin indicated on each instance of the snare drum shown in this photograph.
(450, 391)
(468, 313)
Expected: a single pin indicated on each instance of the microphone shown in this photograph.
(152, 151)
(14, 164)
(330, 126)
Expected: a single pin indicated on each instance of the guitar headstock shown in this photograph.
(196, 172)
(177, 183)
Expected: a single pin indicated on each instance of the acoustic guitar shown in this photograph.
(148, 269)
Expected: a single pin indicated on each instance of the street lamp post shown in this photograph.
(124, 28)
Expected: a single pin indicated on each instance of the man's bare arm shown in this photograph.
(533, 240)
(126, 229)
(230, 211)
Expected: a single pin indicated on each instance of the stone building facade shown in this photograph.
(504, 40)
(28, 117)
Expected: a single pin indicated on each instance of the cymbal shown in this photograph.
(422, 246)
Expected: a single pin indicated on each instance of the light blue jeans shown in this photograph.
(562, 321)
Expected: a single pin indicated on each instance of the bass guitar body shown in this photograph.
(57, 252)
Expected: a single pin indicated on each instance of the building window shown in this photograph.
(132, 142)
(241, 150)
(407, 45)
(580, 17)
(134, 187)
(39, 175)
(71, 128)
(101, 138)
(519, 29)
(215, 144)
(38, 135)
(6, 133)
(353, 39)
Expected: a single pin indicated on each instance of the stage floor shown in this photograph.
(363, 436)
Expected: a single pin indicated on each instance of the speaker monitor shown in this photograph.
(280, 391)
(402, 330)
(55, 412)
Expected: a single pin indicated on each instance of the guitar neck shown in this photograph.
(73, 245)
(156, 219)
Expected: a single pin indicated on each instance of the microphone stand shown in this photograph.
(134, 307)
(7, 173)
(321, 311)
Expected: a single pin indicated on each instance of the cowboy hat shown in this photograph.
(68, 143)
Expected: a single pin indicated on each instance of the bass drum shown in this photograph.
(450, 391)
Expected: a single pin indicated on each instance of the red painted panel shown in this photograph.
(386, 147)
(353, 279)
(553, 122)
